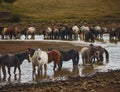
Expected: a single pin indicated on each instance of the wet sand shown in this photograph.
(100, 82)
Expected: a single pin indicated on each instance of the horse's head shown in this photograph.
(36, 55)
(30, 51)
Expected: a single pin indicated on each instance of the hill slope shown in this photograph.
(66, 9)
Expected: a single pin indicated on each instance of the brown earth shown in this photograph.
(100, 82)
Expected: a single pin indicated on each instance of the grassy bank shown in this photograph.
(65, 10)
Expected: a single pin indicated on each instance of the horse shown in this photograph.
(83, 30)
(97, 31)
(88, 53)
(39, 58)
(101, 51)
(53, 55)
(66, 32)
(13, 60)
(68, 55)
(115, 33)
(89, 36)
(1, 29)
(7, 31)
(31, 31)
(48, 33)
(76, 31)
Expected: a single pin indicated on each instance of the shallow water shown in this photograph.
(68, 70)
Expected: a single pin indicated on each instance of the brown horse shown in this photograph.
(6, 32)
(10, 32)
(54, 55)
(100, 52)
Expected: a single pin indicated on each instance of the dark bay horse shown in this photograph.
(68, 55)
(13, 60)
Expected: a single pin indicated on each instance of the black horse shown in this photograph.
(1, 29)
(13, 60)
(68, 55)
(66, 33)
(115, 34)
(89, 36)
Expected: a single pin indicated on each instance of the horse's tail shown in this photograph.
(106, 54)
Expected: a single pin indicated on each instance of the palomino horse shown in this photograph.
(39, 58)
(83, 29)
(88, 53)
(13, 60)
(48, 33)
(31, 31)
(76, 31)
(68, 55)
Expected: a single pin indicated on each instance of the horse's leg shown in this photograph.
(33, 71)
(15, 70)
(60, 65)
(40, 70)
(9, 71)
(45, 67)
(3, 71)
(19, 70)
(54, 66)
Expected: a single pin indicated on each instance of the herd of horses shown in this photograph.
(16, 32)
(40, 58)
(86, 33)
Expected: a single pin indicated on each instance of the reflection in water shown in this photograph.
(114, 41)
(67, 72)
(87, 70)
(38, 77)
(10, 80)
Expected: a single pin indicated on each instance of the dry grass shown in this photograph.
(66, 9)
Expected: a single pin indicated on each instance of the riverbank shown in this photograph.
(100, 82)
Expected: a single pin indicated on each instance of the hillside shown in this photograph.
(66, 9)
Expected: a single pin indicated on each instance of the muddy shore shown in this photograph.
(100, 82)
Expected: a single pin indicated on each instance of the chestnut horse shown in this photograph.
(54, 55)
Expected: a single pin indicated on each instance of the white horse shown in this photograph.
(83, 29)
(76, 31)
(31, 31)
(39, 59)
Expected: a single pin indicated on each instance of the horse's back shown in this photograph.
(31, 29)
(84, 51)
